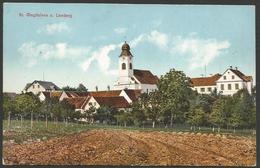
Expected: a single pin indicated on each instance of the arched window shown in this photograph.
(130, 66)
(123, 66)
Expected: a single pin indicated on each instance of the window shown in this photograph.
(229, 86)
(123, 66)
(224, 77)
(146, 90)
(130, 66)
(236, 86)
(202, 89)
(90, 104)
(222, 86)
(33, 86)
(38, 86)
(233, 77)
(209, 89)
(95, 103)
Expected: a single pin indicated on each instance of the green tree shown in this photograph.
(154, 107)
(89, 114)
(27, 104)
(68, 88)
(196, 117)
(82, 88)
(138, 114)
(175, 89)
(124, 117)
(8, 106)
(221, 111)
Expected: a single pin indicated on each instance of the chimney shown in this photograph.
(230, 67)
(108, 87)
(236, 68)
(96, 88)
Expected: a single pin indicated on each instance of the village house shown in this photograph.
(40, 86)
(120, 99)
(130, 78)
(228, 83)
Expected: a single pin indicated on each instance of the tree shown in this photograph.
(222, 111)
(8, 105)
(105, 114)
(175, 89)
(68, 88)
(196, 117)
(153, 108)
(89, 114)
(124, 117)
(138, 114)
(27, 104)
(244, 108)
(82, 88)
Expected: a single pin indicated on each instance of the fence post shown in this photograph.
(9, 120)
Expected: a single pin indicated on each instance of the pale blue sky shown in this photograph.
(85, 48)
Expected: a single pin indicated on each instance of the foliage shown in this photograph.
(175, 89)
(82, 88)
(26, 104)
(8, 106)
(68, 88)
(105, 114)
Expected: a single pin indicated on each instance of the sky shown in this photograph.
(70, 44)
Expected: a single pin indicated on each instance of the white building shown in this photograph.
(233, 80)
(130, 78)
(228, 83)
(40, 86)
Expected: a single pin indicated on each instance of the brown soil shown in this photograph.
(118, 147)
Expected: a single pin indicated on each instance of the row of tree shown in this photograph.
(173, 103)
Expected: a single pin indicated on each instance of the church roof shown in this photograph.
(125, 50)
(145, 76)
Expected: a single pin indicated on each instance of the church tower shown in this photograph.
(125, 65)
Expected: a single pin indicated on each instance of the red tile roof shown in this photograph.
(133, 94)
(145, 76)
(76, 94)
(111, 93)
(205, 81)
(116, 102)
(78, 102)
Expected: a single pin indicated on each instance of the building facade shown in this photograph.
(40, 86)
(228, 83)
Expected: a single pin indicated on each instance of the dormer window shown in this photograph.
(224, 77)
(123, 66)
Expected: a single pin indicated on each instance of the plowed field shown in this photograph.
(118, 147)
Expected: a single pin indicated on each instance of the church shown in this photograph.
(134, 79)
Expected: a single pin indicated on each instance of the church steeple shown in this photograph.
(125, 50)
(125, 66)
